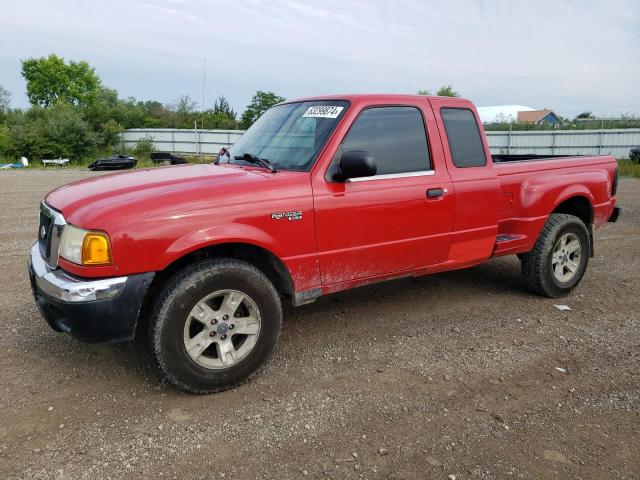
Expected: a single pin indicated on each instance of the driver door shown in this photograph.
(387, 223)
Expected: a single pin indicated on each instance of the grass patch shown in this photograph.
(628, 168)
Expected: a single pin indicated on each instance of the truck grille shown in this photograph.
(44, 236)
(49, 231)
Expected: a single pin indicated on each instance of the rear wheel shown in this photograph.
(559, 258)
(214, 325)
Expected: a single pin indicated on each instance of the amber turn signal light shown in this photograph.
(96, 249)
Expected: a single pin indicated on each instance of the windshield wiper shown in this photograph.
(251, 158)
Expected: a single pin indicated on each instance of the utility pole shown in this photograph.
(204, 78)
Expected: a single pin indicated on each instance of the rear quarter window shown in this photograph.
(464, 137)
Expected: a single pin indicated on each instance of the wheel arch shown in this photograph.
(260, 257)
(239, 241)
(578, 205)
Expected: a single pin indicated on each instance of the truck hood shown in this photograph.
(87, 203)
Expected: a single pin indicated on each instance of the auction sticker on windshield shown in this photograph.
(323, 111)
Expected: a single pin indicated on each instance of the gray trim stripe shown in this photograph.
(421, 173)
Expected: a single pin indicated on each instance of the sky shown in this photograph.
(567, 55)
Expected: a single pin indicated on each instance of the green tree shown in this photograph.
(222, 107)
(51, 79)
(57, 131)
(221, 115)
(447, 91)
(110, 134)
(584, 115)
(5, 101)
(5, 140)
(443, 91)
(185, 110)
(101, 109)
(185, 104)
(260, 103)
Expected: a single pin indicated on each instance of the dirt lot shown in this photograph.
(461, 374)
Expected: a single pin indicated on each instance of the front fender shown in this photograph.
(226, 233)
(303, 269)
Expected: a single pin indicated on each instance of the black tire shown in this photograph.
(171, 311)
(536, 265)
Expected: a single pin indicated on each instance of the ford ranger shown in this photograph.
(319, 195)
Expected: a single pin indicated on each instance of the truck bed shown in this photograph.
(532, 186)
(500, 158)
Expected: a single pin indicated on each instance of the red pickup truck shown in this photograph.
(320, 195)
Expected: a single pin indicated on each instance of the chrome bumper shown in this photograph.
(67, 288)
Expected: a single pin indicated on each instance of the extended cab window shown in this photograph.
(464, 137)
(395, 136)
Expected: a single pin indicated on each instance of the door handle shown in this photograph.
(436, 192)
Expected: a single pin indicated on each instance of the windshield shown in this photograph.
(291, 135)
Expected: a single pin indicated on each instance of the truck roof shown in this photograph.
(374, 97)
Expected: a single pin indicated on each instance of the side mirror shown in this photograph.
(356, 164)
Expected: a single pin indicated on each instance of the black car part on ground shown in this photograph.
(168, 158)
(116, 162)
(634, 154)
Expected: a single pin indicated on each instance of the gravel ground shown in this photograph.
(461, 374)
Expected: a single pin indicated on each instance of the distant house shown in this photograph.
(538, 117)
(501, 113)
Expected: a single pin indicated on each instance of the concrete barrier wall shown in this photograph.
(565, 142)
(182, 141)
(546, 142)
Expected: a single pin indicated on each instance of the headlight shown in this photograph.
(85, 247)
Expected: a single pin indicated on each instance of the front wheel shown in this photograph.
(559, 258)
(214, 325)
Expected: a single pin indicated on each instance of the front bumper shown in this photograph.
(92, 310)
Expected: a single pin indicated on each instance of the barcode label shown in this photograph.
(323, 111)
